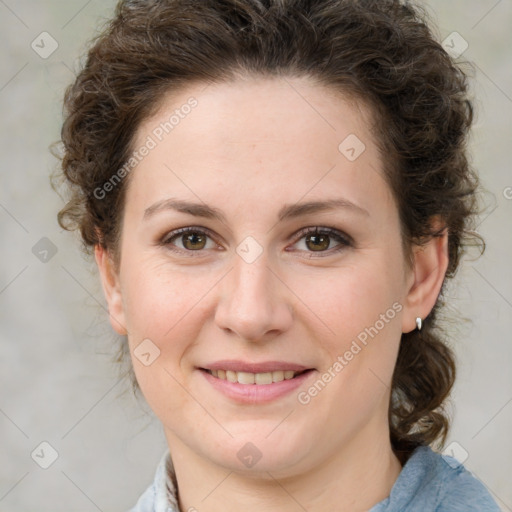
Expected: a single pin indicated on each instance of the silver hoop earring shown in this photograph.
(418, 323)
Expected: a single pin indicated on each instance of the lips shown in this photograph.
(233, 380)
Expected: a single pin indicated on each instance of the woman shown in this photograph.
(276, 192)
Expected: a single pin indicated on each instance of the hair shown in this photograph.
(383, 53)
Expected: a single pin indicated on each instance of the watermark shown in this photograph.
(249, 249)
(304, 397)
(146, 352)
(44, 45)
(455, 455)
(249, 455)
(352, 147)
(151, 142)
(44, 250)
(44, 455)
(455, 45)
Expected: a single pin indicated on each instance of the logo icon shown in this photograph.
(455, 45)
(249, 250)
(146, 352)
(455, 454)
(44, 455)
(249, 455)
(352, 147)
(44, 250)
(44, 45)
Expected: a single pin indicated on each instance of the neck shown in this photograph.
(354, 478)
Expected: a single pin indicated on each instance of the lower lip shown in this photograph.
(256, 393)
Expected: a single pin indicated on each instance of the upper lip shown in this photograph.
(263, 367)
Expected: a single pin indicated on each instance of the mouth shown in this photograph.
(248, 378)
(249, 382)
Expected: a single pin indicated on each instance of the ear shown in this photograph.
(111, 289)
(430, 264)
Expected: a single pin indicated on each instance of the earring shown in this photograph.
(418, 323)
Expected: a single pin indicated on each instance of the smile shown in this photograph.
(263, 385)
(248, 378)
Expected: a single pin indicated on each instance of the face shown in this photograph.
(248, 281)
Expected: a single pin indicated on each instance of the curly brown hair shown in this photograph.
(382, 52)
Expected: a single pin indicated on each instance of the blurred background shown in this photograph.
(72, 437)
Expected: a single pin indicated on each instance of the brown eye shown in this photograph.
(190, 239)
(317, 242)
(193, 241)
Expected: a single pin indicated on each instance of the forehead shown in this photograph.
(258, 108)
(251, 137)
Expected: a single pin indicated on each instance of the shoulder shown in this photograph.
(431, 482)
(460, 489)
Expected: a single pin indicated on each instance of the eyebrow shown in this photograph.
(287, 212)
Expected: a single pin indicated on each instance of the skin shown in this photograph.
(248, 148)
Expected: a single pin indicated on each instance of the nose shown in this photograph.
(254, 302)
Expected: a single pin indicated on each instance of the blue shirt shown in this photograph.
(428, 482)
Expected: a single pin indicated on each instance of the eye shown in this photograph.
(317, 239)
(192, 239)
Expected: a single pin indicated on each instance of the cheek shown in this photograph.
(346, 300)
(158, 302)
(162, 315)
(357, 325)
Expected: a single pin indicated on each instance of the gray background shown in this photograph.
(57, 380)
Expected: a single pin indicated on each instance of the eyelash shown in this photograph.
(345, 240)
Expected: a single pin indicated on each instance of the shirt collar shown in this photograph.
(165, 486)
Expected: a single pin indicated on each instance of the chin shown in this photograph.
(257, 455)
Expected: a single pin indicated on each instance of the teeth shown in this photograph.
(263, 378)
(245, 378)
(253, 378)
